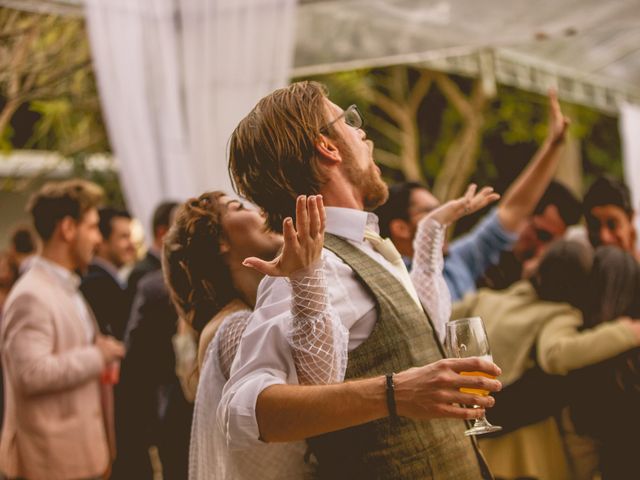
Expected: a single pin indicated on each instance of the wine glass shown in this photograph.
(467, 337)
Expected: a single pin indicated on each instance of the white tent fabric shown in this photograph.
(588, 36)
(589, 49)
(175, 79)
(135, 54)
(630, 133)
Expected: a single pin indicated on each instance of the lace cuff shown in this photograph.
(317, 337)
(426, 274)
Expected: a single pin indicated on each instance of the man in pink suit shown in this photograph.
(58, 413)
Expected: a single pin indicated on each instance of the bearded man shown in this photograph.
(377, 424)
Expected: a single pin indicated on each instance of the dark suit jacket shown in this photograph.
(109, 301)
(501, 276)
(604, 405)
(148, 264)
(151, 406)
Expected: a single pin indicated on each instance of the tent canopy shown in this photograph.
(589, 49)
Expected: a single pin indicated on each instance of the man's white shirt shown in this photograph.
(264, 356)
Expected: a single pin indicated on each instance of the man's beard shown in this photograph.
(374, 191)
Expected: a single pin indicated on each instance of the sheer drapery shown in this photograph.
(249, 52)
(175, 77)
(630, 136)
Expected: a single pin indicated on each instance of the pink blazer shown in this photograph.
(54, 420)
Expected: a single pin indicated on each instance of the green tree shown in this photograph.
(45, 64)
(454, 133)
(394, 100)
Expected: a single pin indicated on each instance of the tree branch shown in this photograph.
(387, 159)
(385, 103)
(454, 95)
(384, 127)
(461, 157)
(399, 83)
(419, 91)
(6, 113)
(51, 82)
(12, 17)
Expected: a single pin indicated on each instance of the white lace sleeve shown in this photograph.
(317, 337)
(427, 276)
(227, 339)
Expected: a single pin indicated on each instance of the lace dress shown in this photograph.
(318, 343)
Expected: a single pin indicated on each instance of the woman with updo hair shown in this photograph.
(197, 261)
(214, 257)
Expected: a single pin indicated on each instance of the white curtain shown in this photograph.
(175, 77)
(630, 133)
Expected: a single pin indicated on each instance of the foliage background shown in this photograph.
(49, 101)
(515, 125)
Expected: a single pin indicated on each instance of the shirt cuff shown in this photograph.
(237, 412)
(94, 360)
(308, 271)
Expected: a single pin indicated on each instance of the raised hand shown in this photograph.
(558, 123)
(302, 244)
(470, 202)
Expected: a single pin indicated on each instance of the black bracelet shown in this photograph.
(391, 398)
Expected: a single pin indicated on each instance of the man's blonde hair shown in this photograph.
(272, 155)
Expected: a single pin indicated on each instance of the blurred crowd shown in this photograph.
(123, 367)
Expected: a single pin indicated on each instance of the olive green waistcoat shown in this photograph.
(402, 338)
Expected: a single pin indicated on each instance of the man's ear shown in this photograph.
(67, 228)
(327, 149)
(399, 229)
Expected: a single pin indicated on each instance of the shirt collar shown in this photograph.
(66, 277)
(350, 223)
(108, 267)
(27, 263)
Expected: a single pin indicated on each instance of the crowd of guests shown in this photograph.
(303, 338)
